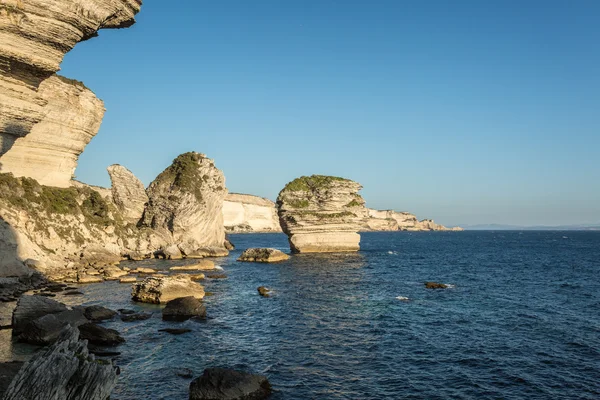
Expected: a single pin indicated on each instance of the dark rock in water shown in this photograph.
(8, 371)
(64, 371)
(228, 384)
(135, 317)
(100, 352)
(45, 330)
(184, 308)
(175, 331)
(73, 293)
(70, 288)
(54, 289)
(98, 313)
(435, 285)
(30, 308)
(185, 373)
(125, 311)
(263, 291)
(99, 335)
(45, 294)
(216, 276)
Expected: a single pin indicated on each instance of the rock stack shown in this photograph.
(321, 214)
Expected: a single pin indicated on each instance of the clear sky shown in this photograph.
(463, 111)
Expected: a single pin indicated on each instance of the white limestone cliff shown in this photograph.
(247, 213)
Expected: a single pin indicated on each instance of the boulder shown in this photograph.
(263, 255)
(46, 330)
(435, 285)
(202, 265)
(228, 245)
(197, 277)
(136, 317)
(161, 289)
(30, 308)
(228, 384)
(321, 214)
(264, 291)
(169, 253)
(113, 273)
(184, 308)
(99, 335)
(85, 278)
(185, 203)
(143, 270)
(64, 371)
(98, 313)
(128, 279)
(128, 193)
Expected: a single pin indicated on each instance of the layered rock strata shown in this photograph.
(66, 371)
(185, 203)
(321, 214)
(247, 213)
(34, 37)
(389, 220)
(162, 289)
(128, 193)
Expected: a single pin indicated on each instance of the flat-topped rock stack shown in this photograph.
(321, 214)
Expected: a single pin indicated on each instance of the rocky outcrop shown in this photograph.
(184, 308)
(247, 213)
(321, 214)
(389, 220)
(64, 371)
(162, 289)
(60, 115)
(229, 384)
(128, 193)
(263, 255)
(186, 203)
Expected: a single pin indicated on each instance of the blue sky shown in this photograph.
(466, 112)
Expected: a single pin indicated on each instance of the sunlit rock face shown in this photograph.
(186, 203)
(34, 37)
(247, 213)
(321, 214)
(128, 193)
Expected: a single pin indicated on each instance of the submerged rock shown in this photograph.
(435, 285)
(263, 291)
(64, 371)
(321, 214)
(263, 255)
(184, 308)
(136, 317)
(175, 331)
(161, 289)
(228, 384)
(100, 335)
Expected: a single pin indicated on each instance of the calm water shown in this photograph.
(523, 321)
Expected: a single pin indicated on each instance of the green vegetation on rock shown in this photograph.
(353, 203)
(183, 175)
(313, 182)
(327, 215)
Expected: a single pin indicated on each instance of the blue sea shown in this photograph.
(521, 320)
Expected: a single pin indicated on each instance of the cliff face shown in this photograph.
(321, 214)
(389, 220)
(247, 213)
(186, 203)
(34, 37)
(128, 193)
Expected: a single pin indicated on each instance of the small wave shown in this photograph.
(394, 253)
(565, 237)
(219, 267)
(402, 298)
(450, 286)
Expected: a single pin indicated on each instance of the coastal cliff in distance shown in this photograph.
(247, 213)
(390, 220)
(46, 120)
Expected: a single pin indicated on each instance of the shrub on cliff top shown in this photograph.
(313, 182)
(183, 174)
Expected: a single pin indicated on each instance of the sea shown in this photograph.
(519, 320)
